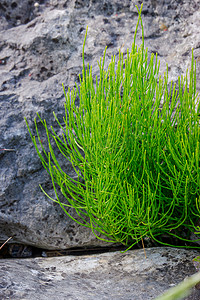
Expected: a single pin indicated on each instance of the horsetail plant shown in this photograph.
(133, 142)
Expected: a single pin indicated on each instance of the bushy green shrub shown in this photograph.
(133, 142)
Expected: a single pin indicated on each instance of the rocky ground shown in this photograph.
(117, 276)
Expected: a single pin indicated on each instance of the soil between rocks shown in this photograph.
(17, 250)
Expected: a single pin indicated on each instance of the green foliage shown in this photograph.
(133, 142)
(182, 290)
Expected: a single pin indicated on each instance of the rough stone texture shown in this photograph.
(40, 47)
(117, 276)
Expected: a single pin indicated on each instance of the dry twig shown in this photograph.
(5, 242)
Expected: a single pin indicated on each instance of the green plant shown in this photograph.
(182, 290)
(133, 142)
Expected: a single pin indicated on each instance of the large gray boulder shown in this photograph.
(116, 276)
(40, 48)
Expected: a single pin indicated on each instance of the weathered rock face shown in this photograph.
(119, 276)
(40, 47)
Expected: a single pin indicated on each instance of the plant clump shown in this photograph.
(133, 142)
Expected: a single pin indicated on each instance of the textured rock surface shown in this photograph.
(40, 47)
(117, 276)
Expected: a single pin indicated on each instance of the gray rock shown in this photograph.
(40, 49)
(118, 276)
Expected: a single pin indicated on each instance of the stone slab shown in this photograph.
(116, 275)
